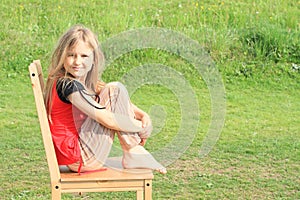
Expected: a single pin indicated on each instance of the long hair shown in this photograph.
(56, 69)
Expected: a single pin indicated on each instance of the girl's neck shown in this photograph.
(82, 79)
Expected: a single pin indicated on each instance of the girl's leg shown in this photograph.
(116, 99)
(95, 144)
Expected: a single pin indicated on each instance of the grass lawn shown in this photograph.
(254, 45)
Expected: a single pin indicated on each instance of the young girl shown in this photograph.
(84, 116)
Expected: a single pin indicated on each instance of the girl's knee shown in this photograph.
(117, 86)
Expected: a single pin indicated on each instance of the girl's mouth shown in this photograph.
(76, 68)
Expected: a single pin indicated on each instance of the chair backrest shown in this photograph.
(37, 83)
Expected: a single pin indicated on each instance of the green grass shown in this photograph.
(254, 44)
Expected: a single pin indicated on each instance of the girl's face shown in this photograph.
(79, 60)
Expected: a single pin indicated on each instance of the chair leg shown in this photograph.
(139, 194)
(56, 192)
(148, 190)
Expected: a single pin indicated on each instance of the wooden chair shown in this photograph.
(110, 180)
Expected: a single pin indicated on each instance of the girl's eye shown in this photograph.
(84, 56)
(70, 55)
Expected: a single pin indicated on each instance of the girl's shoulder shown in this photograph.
(68, 83)
(67, 86)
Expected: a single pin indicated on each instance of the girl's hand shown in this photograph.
(143, 141)
(147, 127)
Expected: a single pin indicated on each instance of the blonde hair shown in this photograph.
(56, 69)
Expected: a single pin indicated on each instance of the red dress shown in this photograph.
(64, 129)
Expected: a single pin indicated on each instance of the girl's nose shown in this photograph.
(78, 60)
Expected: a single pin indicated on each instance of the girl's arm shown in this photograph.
(108, 119)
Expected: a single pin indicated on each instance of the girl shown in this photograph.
(84, 116)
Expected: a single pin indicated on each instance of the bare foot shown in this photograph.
(139, 157)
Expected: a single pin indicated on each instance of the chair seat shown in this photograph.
(113, 170)
(108, 174)
(113, 178)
